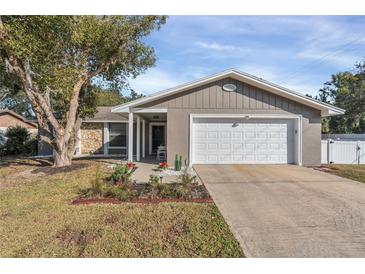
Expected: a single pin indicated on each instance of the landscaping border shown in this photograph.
(80, 201)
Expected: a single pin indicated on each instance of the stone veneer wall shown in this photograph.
(92, 138)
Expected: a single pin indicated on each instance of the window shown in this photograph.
(117, 135)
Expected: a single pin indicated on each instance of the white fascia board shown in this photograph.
(104, 121)
(238, 75)
(149, 110)
(331, 112)
(253, 116)
(290, 94)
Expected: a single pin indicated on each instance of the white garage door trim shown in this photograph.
(297, 127)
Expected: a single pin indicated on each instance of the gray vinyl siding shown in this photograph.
(212, 96)
(212, 99)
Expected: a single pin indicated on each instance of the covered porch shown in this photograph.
(139, 137)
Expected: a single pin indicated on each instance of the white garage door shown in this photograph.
(242, 141)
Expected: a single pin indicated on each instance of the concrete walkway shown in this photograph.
(289, 211)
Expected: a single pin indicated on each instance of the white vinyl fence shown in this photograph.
(342, 152)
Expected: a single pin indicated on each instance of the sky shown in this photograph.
(298, 52)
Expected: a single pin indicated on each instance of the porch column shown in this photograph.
(130, 136)
(138, 158)
(143, 138)
(106, 139)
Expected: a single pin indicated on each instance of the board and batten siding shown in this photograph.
(212, 99)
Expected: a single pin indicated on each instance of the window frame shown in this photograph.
(110, 135)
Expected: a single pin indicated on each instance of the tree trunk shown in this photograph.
(63, 152)
(62, 158)
(65, 145)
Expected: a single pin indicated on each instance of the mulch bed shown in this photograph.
(88, 201)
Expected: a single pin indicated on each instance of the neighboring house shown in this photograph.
(9, 118)
(227, 118)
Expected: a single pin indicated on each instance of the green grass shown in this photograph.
(36, 220)
(353, 172)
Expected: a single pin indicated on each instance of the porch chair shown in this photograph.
(161, 153)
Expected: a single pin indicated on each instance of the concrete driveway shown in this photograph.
(289, 211)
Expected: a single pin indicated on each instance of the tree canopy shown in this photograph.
(345, 90)
(114, 97)
(54, 60)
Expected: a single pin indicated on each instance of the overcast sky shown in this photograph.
(297, 52)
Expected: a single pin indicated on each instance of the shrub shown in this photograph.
(96, 182)
(99, 188)
(123, 173)
(18, 140)
(153, 181)
(96, 188)
(186, 181)
(180, 191)
(123, 192)
(185, 178)
(164, 191)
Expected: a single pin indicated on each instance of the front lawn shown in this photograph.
(37, 220)
(353, 172)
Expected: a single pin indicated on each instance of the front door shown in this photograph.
(158, 137)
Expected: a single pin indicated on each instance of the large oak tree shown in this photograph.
(54, 59)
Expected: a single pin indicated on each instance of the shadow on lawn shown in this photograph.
(49, 170)
(18, 161)
(43, 166)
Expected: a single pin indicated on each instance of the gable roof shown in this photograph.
(326, 109)
(16, 115)
(104, 114)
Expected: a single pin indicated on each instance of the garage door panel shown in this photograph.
(249, 134)
(237, 135)
(249, 147)
(275, 158)
(238, 146)
(212, 134)
(238, 158)
(212, 147)
(200, 146)
(225, 134)
(200, 134)
(225, 141)
(274, 146)
(212, 157)
(261, 158)
(200, 158)
(261, 134)
(249, 158)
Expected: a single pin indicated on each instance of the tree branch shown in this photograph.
(24, 74)
(84, 78)
(46, 139)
